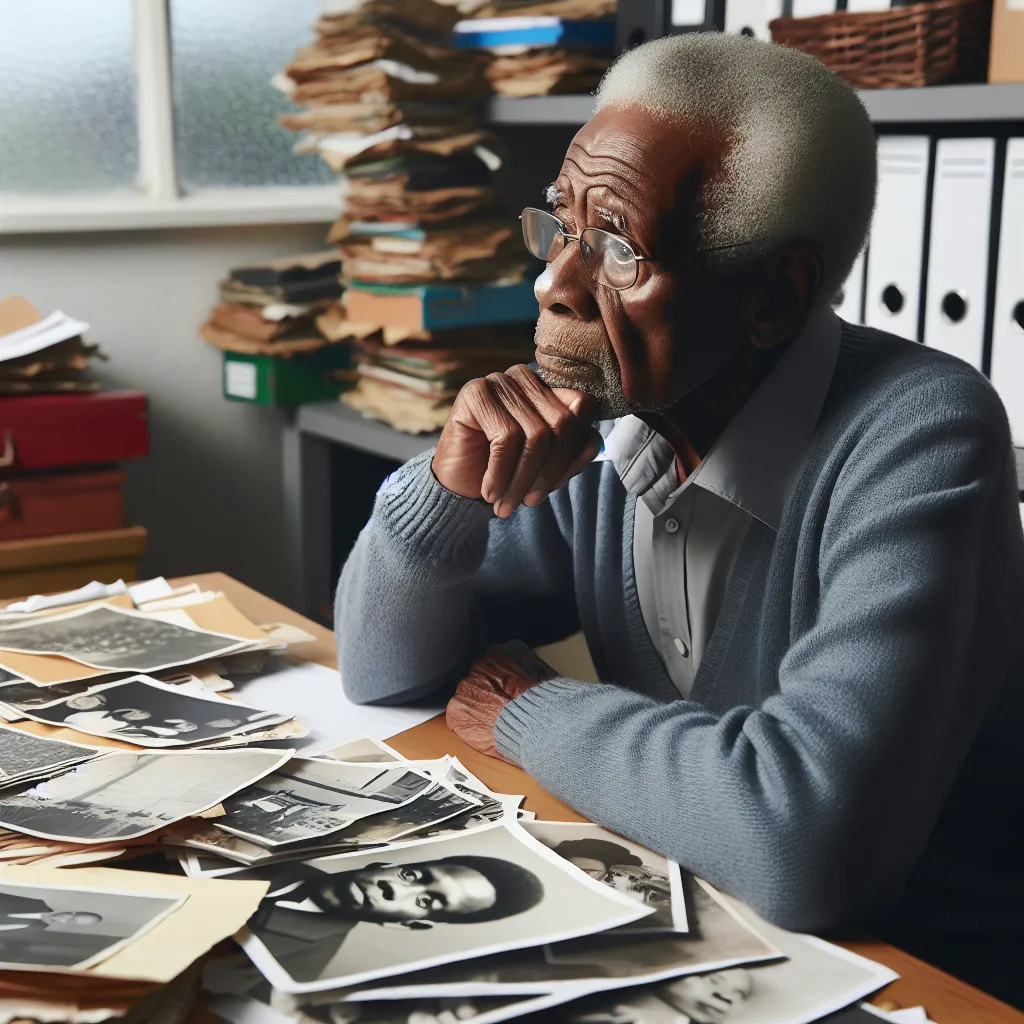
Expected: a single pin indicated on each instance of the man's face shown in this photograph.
(708, 998)
(410, 892)
(636, 175)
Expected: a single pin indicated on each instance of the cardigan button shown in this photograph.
(671, 525)
(681, 647)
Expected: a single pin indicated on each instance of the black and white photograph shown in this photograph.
(23, 755)
(125, 794)
(308, 798)
(341, 921)
(648, 877)
(816, 980)
(118, 640)
(23, 695)
(363, 750)
(149, 713)
(719, 939)
(72, 927)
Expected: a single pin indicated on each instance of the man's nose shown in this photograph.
(565, 288)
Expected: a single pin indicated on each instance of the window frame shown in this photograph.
(158, 202)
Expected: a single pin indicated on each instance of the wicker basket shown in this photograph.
(923, 44)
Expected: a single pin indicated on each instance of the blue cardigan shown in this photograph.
(859, 654)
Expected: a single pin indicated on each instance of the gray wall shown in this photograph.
(210, 491)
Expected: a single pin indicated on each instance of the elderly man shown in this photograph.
(798, 562)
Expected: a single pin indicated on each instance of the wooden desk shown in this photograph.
(947, 1000)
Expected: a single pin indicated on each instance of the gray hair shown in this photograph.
(801, 162)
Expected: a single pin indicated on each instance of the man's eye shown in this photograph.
(427, 902)
(409, 875)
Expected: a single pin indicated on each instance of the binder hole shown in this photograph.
(1017, 316)
(954, 307)
(635, 38)
(892, 298)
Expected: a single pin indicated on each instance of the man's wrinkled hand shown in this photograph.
(500, 675)
(512, 440)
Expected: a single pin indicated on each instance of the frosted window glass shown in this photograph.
(224, 55)
(67, 96)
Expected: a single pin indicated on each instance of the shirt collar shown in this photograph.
(753, 463)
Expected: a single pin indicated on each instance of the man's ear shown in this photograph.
(782, 292)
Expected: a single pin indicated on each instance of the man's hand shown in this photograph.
(512, 440)
(500, 675)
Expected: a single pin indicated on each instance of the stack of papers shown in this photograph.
(390, 105)
(272, 308)
(540, 49)
(41, 353)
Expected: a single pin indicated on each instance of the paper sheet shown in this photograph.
(315, 696)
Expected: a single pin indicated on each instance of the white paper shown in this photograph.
(150, 590)
(94, 591)
(689, 12)
(240, 379)
(514, 24)
(51, 330)
(315, 696)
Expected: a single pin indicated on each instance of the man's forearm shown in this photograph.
(403, 618)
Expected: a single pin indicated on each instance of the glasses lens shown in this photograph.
(609, 259)
(542, 234)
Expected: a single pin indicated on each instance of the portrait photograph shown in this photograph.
(149, 713)
(719, 939)
(648, 877)
(124, 794)
(336, 922)
(309, 798)
(21, 694)
(118, 640)
(23, 754)
(70, 927)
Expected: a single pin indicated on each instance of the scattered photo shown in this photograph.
(719, 939)
(125, 794)
(23, 754)
(648, 877)
(308, 798)
(816, 980)
(149, 713)
(341, 921)
(70, 927)
(364, 749)
(118, 640)
(23, 695)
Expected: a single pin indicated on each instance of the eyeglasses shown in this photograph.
(609, 259)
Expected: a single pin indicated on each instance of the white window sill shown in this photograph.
(29, 214)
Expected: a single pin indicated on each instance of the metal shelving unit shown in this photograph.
(938, 103)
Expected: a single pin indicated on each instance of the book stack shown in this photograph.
(539, 49)
(61, 490)
(435, 288)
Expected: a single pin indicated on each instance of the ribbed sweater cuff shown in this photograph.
(423, 514)
(530, 714)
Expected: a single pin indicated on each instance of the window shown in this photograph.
(150, 113)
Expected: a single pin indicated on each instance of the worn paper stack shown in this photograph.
(537, 49)
(425, 254)
(272, 308)
(42, 353)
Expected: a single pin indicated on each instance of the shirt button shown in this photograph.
(681, 647)
(671, 525)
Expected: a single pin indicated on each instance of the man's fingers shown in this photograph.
(580, 463)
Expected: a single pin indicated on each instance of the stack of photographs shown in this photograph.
(25, 757)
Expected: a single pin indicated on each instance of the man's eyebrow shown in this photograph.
(553, 195)
(611, 216)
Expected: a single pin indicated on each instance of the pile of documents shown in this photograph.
(272, 308)
(42, 353)
(424, 255)
(563, 46)
(359, 884)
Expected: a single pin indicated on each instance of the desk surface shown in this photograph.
(947, 1000)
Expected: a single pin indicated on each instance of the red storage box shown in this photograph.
(40, 506)
(46, 431)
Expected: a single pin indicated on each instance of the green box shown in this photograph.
(275, 381)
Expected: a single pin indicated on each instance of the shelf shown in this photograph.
(336, 422)
(938, 103)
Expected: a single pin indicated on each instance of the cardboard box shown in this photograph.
(1006, 57)
(45, 504)
(45, 565)
(276, 381)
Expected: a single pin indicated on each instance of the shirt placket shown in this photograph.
(671, 528)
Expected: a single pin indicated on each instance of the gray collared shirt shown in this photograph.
(686, 536)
